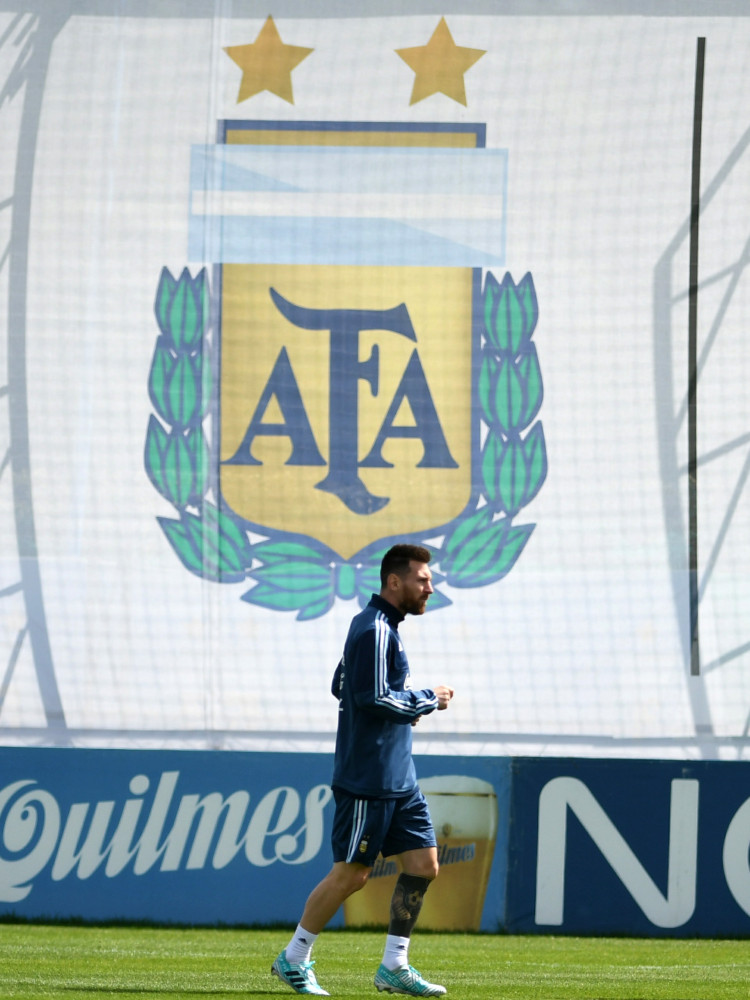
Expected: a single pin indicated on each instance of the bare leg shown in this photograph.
(344, 879)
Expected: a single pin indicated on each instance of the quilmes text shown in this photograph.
(161, 831)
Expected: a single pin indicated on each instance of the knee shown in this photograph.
(359, 879)
(352, 878)
(428, 868)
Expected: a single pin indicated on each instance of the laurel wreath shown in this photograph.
(480, 548)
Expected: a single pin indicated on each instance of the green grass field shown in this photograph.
(85, 963)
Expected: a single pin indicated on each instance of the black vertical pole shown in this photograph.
(695, 659)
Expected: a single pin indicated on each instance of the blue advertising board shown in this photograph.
(207, 837)
(526, 845)
(629, 847)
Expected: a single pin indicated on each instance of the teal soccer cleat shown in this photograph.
(299, 976)
(407, 981)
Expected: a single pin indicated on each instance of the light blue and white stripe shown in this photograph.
(348, 205)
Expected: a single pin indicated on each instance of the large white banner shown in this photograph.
(283, 289)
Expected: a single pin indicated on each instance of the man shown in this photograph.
(379, 806)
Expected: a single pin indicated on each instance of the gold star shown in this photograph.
(440, 65)
(267, 63)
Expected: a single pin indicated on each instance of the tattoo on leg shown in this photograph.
(406, 903)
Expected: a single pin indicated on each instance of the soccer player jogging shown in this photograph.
(379, 806)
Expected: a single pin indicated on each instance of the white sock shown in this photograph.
(396, 954)
(300, 947)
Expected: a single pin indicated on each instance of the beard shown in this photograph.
(414, 605)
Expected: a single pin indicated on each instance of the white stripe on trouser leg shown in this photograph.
(360, 815)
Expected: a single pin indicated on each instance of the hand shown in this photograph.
(444, 695)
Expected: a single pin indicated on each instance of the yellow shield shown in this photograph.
(352, 434)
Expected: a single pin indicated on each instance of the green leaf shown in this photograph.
(529, 304)
(162, 365)
(202, 301)
(368, 581)
(535, 451)
(513, 471)
(164, 293)
(281, 551)
(510, 313)
(226, 547)
(508, 397)
(182, 391)
(346, 581)
(206, 385)
(530, 375)
(229, 530)
(514, 544)
(477, 551)
(199, 548)
(178, 470)
(181, 541)
(266, 595)
(509, 318)
(155, 448)
(490, 556)
(185, 315)
(295, 576)
(200, 459)
(464, 530)
(315, 608)
(492, 454)
(513, 477)
(491, 295)
(218, 557)
(487, 375)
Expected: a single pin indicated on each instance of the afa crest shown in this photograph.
(351, 378)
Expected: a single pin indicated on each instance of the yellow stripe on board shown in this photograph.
(325, 137)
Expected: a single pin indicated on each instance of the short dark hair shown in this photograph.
(397, 559)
